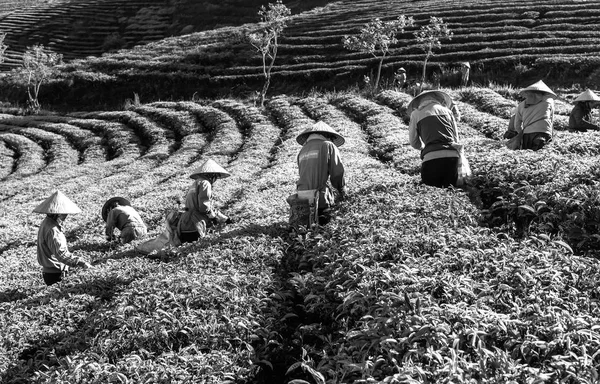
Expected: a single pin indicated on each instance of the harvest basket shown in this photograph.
(303, 211)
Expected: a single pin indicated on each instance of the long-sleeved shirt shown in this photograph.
(432, 129)
(535, 118)
(580, 118)
(122, 216)
(52, 249)
(199, 206)
(318, 161)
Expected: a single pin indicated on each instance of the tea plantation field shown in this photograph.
(172, 50)
(496, 283)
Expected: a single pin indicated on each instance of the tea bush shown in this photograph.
(493, 283)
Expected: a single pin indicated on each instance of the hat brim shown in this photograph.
(550, 93)
(109, 202)
(220, 175)
(338, 140)
(413, 104)
(538, 86)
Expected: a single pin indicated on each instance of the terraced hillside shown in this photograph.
(506, 42)
(81, 28)
(7, 6)
(494, 284)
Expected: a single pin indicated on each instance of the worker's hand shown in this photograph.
(342, 194)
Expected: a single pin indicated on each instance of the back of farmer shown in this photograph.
(118, 213)
(432, 129)
(319, 161)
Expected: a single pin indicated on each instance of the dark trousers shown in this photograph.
(51, 278)
(324, 215)
(441, 172)
(189, 237)
(535, 141)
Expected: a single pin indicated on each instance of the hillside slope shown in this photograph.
(505, 41)
(81, 28)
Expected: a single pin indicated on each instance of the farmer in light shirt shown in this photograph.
(200, 212)
(118, 213)
(319, 161)
(52, 252)
(535, 116)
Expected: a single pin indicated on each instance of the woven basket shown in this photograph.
(303, 212)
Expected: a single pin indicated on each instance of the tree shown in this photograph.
(265, 41)
(428, 38)
(376, 38)
(2, 46)
(39, 65)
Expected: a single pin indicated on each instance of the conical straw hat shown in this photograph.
(210, 166)
(414, 103)
(539, 86)
(466, 64)
(58, 204)
(587, 96)
(322, 128)
(106, 206)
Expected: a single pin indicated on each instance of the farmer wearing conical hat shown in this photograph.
(319, 162)
(535, 116)
(200, 213)
(118, 213)
(432, 129)
(580, 118)
(400, 78)
(52, 252)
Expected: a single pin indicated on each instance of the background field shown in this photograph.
(494, 283)
(506, 42)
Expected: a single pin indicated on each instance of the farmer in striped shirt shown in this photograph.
(432, 129)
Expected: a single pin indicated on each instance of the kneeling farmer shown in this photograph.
(118, 213)
(200, 212)
(52, 252)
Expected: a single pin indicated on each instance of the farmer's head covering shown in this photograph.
(108, 205)
(466, 64)
(322, 128)
(57, 204)
(539, 86)
(587, 96)
(401, 70)
(414, 103)
(210, 167)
